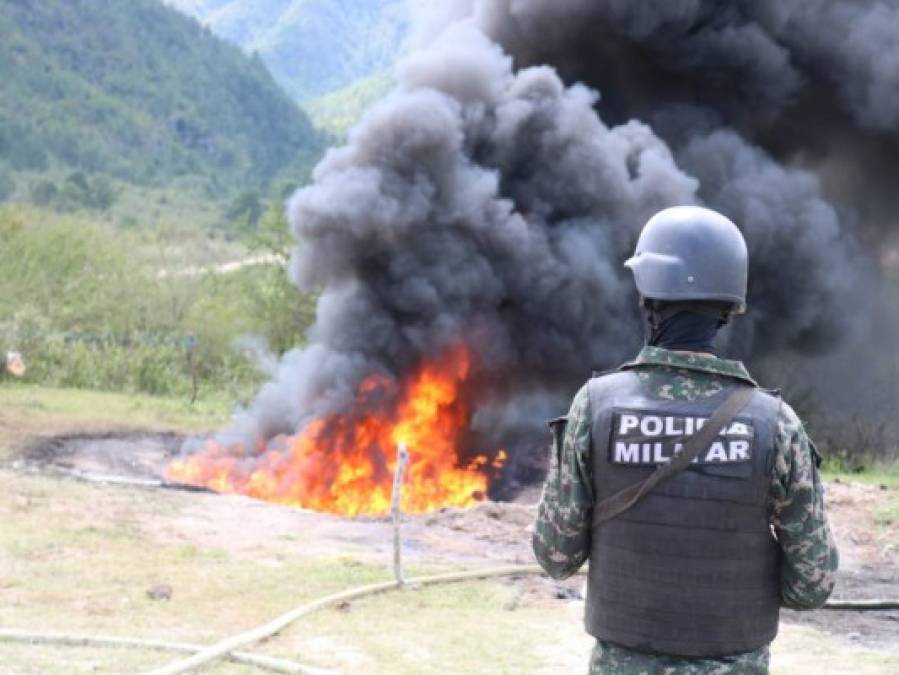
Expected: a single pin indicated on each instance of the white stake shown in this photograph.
(402, 456)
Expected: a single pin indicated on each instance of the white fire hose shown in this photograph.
(227, 646)
(75, 640)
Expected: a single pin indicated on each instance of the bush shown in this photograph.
(157, 365)
(86, 311)
(44, 192)
(243, 213)
(80, 192)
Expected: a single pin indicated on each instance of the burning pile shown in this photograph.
(344, 463)
(492, 198)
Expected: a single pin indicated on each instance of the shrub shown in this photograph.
(44, 192)
(86, 310)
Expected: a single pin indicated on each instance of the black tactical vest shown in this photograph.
(692, 569)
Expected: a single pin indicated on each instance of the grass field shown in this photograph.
(79, 557)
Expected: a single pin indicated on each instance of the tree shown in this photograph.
(102, 193)
(44, 192)
(244, 212)
(79, 191)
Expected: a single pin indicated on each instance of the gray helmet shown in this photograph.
(691, 253)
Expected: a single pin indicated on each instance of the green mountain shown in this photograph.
(336, 112)
(137, 91)
(312, 47)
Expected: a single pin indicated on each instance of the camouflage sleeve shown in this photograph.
(562, 530)
(810, 558)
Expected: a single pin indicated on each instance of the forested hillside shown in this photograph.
(312, 47)
(136, 91)
(336, 112)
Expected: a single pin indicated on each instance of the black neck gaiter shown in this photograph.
(684, 331)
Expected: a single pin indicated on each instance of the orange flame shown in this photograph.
(344, 463)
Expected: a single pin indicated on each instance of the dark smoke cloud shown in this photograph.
(814, 82)
(493, 197)
(786, 112)
(476, 203)
(805, 270)
(738, 53)
(853, 45)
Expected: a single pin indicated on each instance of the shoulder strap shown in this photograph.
(621, 501)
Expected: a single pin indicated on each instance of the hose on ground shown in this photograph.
(861, 605)
(226, 648)
(275, 626)
(219, 649)
(278, 624)
(270, 663)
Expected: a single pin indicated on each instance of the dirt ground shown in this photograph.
(488, 534)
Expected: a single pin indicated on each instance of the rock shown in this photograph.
(160, 592)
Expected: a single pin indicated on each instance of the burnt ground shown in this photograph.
(491, 533)
(127, 456)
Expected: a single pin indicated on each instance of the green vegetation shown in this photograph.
(136, 92)
(150, 151)
(95, 307)
(338, 111)
(312, 47)
(847, 469)
(77, 191)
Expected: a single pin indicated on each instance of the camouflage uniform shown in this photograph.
(796, 507)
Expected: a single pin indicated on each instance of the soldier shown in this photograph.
(690, 577)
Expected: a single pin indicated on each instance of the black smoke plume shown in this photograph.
(494, 194)
(788, 114)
